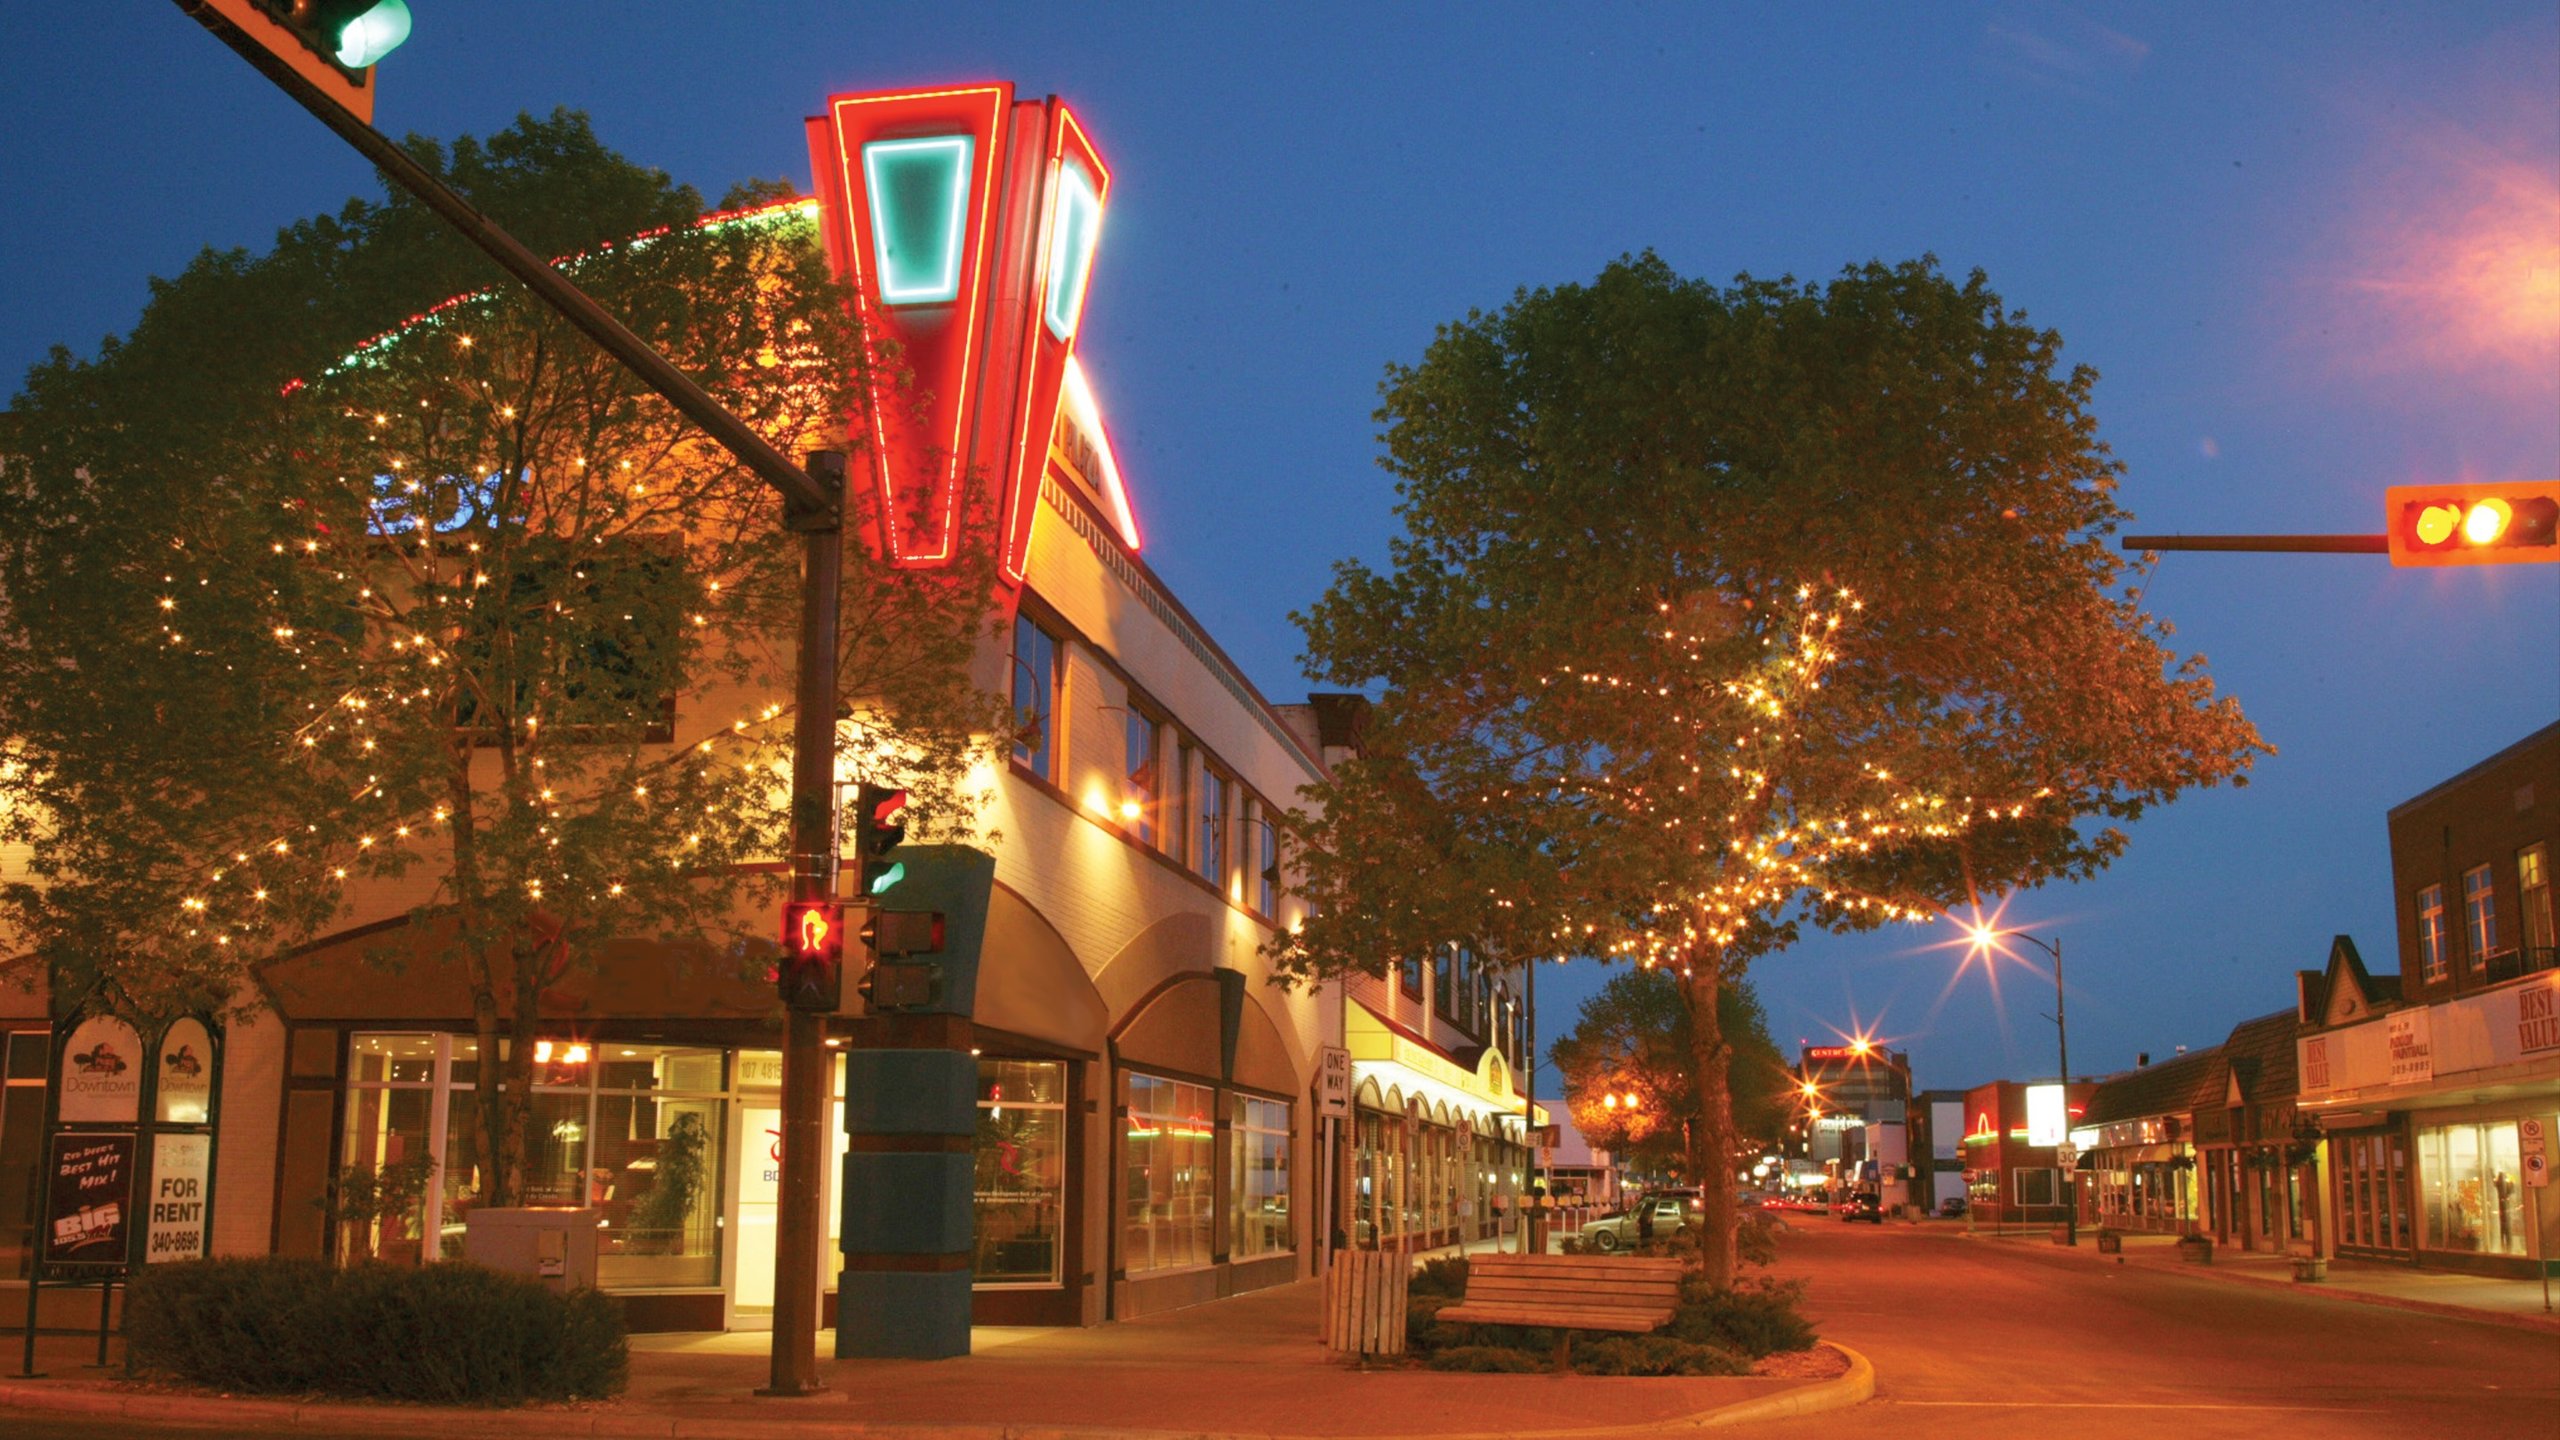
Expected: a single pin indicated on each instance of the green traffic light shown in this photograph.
(376, 32)
(889, 877)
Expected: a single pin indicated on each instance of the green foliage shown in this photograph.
(1634, 1037)
(1655, 1355)
(1422, 1317)
(1755, 1239)
(1754, 1318)
(659, 1221)
(1486, 1360)
(364, 1196)
(449, 1333)
(1444, 1276)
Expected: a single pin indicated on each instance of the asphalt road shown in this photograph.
(1985, 1339)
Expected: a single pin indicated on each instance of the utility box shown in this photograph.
(555, 1245)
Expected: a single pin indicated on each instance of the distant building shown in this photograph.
(2011, 1133)
(1937, 1148)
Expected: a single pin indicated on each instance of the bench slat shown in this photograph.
(1559, 1319)
(1650, 1295)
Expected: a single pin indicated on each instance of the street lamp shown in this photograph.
(1985, 939)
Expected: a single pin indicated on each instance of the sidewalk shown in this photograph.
(2516, 1303)
(1245, 1366)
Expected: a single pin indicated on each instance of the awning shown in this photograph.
(2128, 1155)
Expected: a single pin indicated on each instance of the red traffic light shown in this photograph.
(2514, 522)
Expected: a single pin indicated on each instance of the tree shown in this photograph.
(1723, 611)
(432, 599)
(1627, 1075)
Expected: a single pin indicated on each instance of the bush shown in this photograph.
(1421, 1316)
(448, 1333)
(1656, 1355)
(1756, 1317)
(1486, 1360)
(1447, 1276)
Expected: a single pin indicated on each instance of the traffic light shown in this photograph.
(2515, 522)
(811, 975)
(887, 934)
(880, 822)
(334, 44)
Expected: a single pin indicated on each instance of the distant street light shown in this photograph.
(1985, 939)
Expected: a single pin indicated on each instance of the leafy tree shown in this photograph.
(462, 596)
(1633, 1041)
(1724, 610)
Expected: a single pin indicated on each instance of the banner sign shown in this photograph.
(2413, 1056)
(90, 1184)
(101, 1079)
(184, 1074)
(181, 1179)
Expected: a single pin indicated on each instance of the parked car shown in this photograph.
(1951, 1207)
(1861, 1205)
(1672, 1212)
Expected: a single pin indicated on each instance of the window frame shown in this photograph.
(2433, 950)
(1214, 862)
(2533, 897)
(1043, 760)
(1242, 1110)
(1143, 778)
(2480, 914)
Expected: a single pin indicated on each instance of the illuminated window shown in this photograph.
(1138, 812)
(1073, 231)
(2431, 931)
(2479, 914)
(1168, 1191)
(1035, 695)
(1258, 1139)
(1210, 857)
(919, 193)
(2533, 894)
(1021, 1182)
(1266, 862)
(1177, 819)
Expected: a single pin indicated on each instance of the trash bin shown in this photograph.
(553, 1244)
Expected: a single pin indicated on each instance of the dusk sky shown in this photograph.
(2312, 251)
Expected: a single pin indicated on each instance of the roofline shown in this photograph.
(2547, 732)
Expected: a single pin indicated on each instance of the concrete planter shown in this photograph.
(2110, 1243)
(2195, 1250)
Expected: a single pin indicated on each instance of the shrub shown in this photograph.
(1656, 1355)
(1756, 1317)
(1446, 1276)
(449, 1333)
(1459, 1335)
(1421, 1315)
(1486, 1360)
(1755, 1240)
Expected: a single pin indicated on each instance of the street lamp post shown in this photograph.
(1983, 936)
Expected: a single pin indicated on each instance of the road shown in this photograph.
(1988, 1339)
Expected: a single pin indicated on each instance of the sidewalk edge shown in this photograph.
(1856, 1387)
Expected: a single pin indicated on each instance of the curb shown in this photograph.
(1854, 1388)
(289, 1416)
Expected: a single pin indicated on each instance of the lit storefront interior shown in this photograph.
(1437, 1147)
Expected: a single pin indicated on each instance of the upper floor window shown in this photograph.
(2533, 892)
(1138, 808)
(2431, 931)
(1035, 697)
(1177, 805)
(1462, 987)
(1210, 857)
(1266, 863)
(1440, 988)
(1409, 978)
(2479, 913)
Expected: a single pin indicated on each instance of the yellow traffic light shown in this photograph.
(2514, 522)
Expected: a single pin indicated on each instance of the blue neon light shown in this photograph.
(919, 193)
(1071, 239)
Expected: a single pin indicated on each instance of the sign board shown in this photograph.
(1333, 1082)
(2413, 1059)
(2533, 1144)
(183, 1073)
(89, 1178)
(101, 1073)
(2046, 1123)
(181, 1182)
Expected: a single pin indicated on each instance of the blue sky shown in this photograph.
(2313, 251)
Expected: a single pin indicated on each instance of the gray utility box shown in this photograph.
(554, 1245)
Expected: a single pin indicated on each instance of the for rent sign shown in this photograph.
(181, 1172)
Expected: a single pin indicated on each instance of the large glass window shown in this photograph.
(1035, 691)
(2035, 1187)
(2533, 894)
(1258, 1132)
(653, 1164)
(1138, 809)
(1021, 1185)
(1210, 854)
(2431, 931)
(1266, 862)
(2472, 1177)
(391, 1095)
(1168, 1187)
(2479, 913)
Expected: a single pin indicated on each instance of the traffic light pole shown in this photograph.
(813, 505)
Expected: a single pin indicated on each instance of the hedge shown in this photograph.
(448, 1333)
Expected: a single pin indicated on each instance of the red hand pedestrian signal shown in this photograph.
(811, 975)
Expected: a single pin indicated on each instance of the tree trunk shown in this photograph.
(488, 1100)
(1711, 1136)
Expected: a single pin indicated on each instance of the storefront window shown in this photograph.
(1021, 1176)
(2472, 1179)
(390, 1126)
(1168, 1191)
(1259, 1132)
(655, 1165)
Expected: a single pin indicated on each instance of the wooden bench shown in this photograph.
(1569, 1293)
